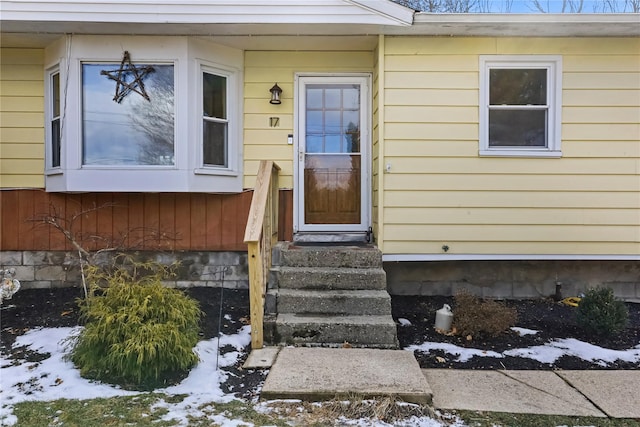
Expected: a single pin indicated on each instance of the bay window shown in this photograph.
(143, 114)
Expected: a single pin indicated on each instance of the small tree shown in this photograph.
(138, 332)
(599, 312)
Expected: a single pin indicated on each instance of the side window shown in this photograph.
(215, 121)
(54, 119)
(520, 106)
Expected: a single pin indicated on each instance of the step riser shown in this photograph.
(328, 296)
(345, 279)
(335, 334)
(327, 257)
(334, 304)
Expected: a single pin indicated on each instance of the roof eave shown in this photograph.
(524, 25)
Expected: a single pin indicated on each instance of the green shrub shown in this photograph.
(601, 313)
(472, 316)
(138, 332)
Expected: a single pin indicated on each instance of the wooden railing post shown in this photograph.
(259, 237)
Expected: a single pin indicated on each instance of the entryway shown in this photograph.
(333, 156)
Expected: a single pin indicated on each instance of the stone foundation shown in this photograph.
(492, 279)
(52, 269)
(513, 279)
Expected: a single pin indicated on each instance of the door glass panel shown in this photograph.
(332, 162)
(351, 98)
(332, 98)
(314, 97)
(332, 118)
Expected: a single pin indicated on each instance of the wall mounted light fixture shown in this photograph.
(275, 94)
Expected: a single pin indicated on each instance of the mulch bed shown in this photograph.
(549, 318)
(33, 308)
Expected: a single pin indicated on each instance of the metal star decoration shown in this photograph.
(128, 78)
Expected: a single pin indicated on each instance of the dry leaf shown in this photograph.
(346, 345)
(440, 359)
(66, 313)
(469, 337)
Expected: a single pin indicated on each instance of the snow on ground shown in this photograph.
(547, 353)
(404, 322)
(557, 348)
(523, 331)
(55, 377)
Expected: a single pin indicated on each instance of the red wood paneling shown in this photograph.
(120, 219)
(57, 205)
(136, 221)
(285, 216)
(198, 222)
(104, 221)
(193, 221)
(213, 227)
(9, 220)
(89, 221)
(167, 221)
(41, 235)
(151, 220)
(26, 213)
(183, 221)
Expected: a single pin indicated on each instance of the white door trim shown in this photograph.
(301, 79)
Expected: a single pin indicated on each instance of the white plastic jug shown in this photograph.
(444, 318)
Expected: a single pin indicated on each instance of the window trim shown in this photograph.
(232, 120)
(553, 65)
(185, 53)
(50, 169)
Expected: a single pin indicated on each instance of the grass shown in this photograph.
(129, 411)
(137, 411)
(493, 419)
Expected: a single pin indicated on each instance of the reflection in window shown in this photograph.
(215, 121)
(332, 118)
(518, 107)
(134, 131)
(55, 120)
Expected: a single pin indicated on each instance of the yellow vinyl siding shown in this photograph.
(262, 70)
(439, 191)
(21, 118)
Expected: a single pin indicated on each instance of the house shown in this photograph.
(500, 153)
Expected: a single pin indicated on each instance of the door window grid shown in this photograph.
(332, 119)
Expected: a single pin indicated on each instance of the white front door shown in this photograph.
(333, 144)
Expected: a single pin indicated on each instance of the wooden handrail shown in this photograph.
(260, 236)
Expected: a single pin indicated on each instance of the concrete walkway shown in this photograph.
(323, 373)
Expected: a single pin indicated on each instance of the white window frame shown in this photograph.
(187, 56)
(49, 117)
(232, 120)
(553, 65)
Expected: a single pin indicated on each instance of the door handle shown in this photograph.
(300, 155)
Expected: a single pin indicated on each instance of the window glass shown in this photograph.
(128, 116)
(518, 87)
(332, 118)
(518, 110)
(517, 128)
(215, 123)
(55, 120)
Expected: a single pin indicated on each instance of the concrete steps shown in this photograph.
(329, 296)
(332, 278)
